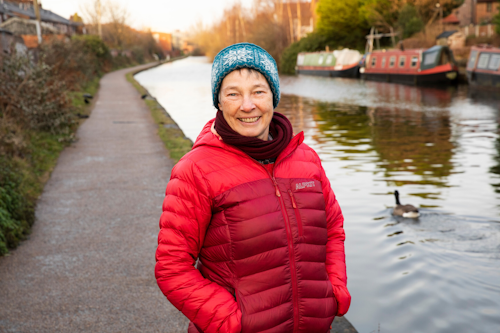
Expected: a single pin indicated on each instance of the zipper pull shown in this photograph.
(294, 205)
(278, 193)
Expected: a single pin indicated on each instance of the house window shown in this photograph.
(383, 62)
(482, 63)
(494, 62)
(374, 61)
(414, 61)
(472, 59)
(402, 61)
(392, 61)
(489, 7)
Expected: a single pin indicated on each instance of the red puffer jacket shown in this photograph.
(270, 246)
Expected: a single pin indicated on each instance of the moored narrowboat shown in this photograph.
(483, 67)
(434, 66)
(339, 63)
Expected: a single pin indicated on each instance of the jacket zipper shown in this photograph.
(297, 213)
(293, 273)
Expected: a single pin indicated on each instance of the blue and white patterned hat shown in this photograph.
(244, 55)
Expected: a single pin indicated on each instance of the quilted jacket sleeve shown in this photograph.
(183, 223)
(335, 255)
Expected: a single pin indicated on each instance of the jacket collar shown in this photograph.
(208, 138)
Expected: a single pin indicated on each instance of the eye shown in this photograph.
(232, 94)
(259, 92)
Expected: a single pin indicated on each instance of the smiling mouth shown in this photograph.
(249, 120)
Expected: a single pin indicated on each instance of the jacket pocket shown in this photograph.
(297, 213)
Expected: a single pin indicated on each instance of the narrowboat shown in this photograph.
(483, 67)
(339, 63)
(434, 66)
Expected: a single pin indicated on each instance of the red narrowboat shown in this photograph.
(483, 67)
(434, 66)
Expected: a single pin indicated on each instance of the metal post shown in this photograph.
(38, 19)
(392, 37)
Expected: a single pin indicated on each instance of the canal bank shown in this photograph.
(438, 147)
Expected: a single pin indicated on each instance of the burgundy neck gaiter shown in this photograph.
(280, 129)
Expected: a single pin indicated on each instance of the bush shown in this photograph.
(409, 20)
(16, 213)
(313, 42)
(31, 96)
(78, 60)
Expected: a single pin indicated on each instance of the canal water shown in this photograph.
(439, 147)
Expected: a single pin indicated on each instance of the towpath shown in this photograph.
(89, 263)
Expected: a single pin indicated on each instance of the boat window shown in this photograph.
(430, 58)
(482, 63)
(329, 59)
(494, 62)
(392, 61)
(300, 59)
(320, 61)
(374, 61)
(402, 61)
(472, 59)
(383, 62)
(414, 61)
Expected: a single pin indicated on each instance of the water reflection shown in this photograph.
(410, 147)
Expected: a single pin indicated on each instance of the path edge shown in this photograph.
(172, 136)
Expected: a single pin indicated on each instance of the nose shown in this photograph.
(247, 104)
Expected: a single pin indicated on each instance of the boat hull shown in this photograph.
(352, 72)
(486, 80)
(434, 79)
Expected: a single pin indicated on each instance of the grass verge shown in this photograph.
(168, 130)
(22, 178)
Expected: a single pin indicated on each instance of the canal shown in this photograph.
(439, 147)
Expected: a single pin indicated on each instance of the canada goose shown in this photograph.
(404, 210)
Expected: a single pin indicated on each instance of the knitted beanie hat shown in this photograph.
(244, 55)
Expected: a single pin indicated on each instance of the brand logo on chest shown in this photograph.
(300, 186)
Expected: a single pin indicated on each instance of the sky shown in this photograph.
(159, 15)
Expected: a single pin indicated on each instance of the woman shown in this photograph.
(253, 204)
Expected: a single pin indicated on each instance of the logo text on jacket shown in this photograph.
(302, 185)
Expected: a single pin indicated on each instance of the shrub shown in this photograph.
(16, 213)
(409, 20)
(31, 96)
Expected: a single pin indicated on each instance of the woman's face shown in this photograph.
(246, 101)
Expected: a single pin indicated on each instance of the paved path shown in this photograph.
(89, 263)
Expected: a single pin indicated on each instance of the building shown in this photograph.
(454, 39)
(474, 12)
(485, 11)
(300, 16)
(23, 9)
(164, 40)
(10, 42)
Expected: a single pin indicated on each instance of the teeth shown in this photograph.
(249, 120)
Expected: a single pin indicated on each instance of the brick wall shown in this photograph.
(485, 11)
